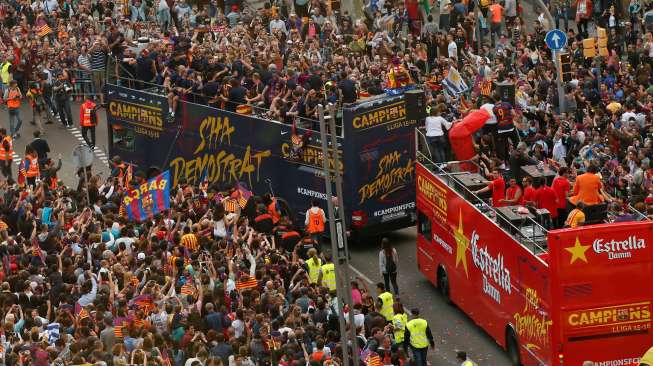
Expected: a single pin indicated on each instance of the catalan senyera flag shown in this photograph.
(43, 30)
(373, 360)
(83, 314)
(486, 87)
(187, 289)
(129, 175)
(246, 282)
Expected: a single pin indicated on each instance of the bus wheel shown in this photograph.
(443, 284)
(512, 346)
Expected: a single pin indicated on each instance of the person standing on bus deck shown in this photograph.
(315, 220)
(498, 187)
(6, 154)
(587, 188)
(273, 208)
(418, 337)
(435, 128)
(388, 260)
(385, 302)
(561, 186)
(313, 265)
(545, 197)
(506, 133)
(576, 216)
(88, 120)
(327, 276)
(12, 97)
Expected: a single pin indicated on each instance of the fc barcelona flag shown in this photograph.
(149, 198)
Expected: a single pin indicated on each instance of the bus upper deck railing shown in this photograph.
(531, 234)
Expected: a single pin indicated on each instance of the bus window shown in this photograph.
(123, 138)
(424, 225)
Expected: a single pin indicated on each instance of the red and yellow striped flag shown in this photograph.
(246, 283)
(187, 289)
(83, 314)
(374, 360)
(230, 205)
(486, 87)
(43, 30)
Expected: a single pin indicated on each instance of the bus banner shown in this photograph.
(230, 147)
(381, 138)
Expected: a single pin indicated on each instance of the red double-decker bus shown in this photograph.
(556, 297)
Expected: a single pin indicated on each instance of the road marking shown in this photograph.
(101, 155)
(361, 275)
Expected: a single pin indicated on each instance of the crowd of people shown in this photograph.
(205, 284)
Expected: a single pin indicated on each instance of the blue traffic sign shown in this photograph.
(556, 39)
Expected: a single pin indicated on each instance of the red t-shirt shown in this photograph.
(561, 186)
(498, 187)
(512, 192)
(545, 197)
(529, 195)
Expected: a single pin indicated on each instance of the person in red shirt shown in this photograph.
(529, 192)
(561, 186)
(513, 194)
(545, 197)
(498, 187)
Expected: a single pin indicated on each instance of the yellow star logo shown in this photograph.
(462, 243)
(577, 251)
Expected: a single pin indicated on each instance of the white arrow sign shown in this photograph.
(556, 39)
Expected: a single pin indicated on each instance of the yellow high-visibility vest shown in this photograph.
(399, 324)
(329, 276)
(417, 328)
(314, 269)
(386, 307)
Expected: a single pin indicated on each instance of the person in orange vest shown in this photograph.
(88, 120)
(12, 97)
(6, 154)
(31, 166)
(273, 210)
(315, 220)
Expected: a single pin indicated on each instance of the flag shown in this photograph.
(43, 30)
(149, 198)
(129, 175)
(83, 314)
(187, 289)
(204, 179)
(427, 7)
(21, 173)
(486, 87)
(143, 302)
(36, 250)
(373, 360)
(464, 105)
(230, 205)
(246, 282)
(454, 82)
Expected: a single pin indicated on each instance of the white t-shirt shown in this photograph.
(452, 50)
(434, 126)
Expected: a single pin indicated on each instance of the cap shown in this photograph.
(141, 256)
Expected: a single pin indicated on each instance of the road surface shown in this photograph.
(452, 329)
(62, 141)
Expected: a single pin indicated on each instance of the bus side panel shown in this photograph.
(493, 278)
(602, 291)
(230, 148)
(380, 157)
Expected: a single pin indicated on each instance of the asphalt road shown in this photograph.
(452, 329)
(62, 141)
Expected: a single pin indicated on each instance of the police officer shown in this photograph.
(461, 356)
(418, 337)
(385, 302)
(327, 275)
